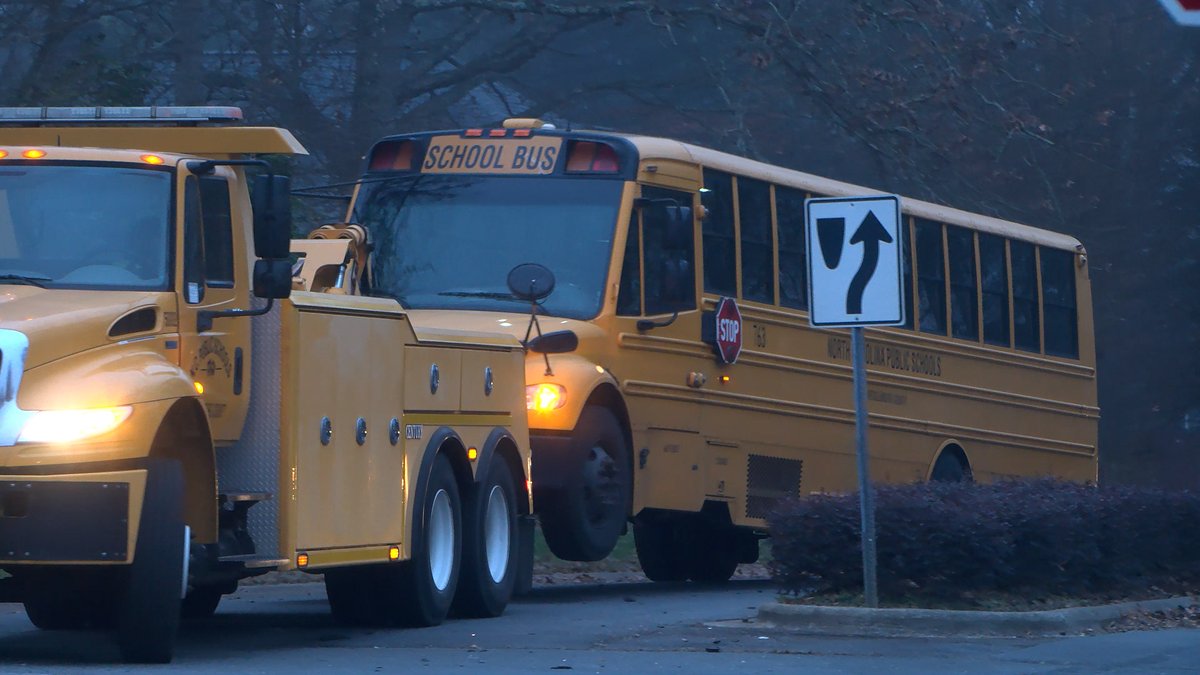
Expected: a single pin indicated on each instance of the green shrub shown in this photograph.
(947, 539)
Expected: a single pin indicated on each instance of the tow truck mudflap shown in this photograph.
(69, 518)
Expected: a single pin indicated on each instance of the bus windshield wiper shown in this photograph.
(29, 279)
(480, 294)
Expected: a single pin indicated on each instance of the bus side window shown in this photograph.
(754, 216)
(793, 270)
(1025, 296)
(669, 253)
(629, 294)
(964, 286)
(193, 243)
(994, 271)
(931, 277)
(1058, 302)
(218, 231)
(720, 264)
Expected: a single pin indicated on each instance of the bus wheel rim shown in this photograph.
(496, 535)
(600, 486)
(441, 540)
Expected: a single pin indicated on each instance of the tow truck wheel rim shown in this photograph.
(441, 540)
(496, 534)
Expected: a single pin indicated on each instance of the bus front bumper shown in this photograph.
(84, 519)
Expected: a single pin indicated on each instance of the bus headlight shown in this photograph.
(545, 396)
(65, 426)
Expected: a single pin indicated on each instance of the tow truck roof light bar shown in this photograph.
(118, 115)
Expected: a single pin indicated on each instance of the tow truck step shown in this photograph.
(252, 561)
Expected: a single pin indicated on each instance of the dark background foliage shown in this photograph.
(1074, 116)
(1035, 537)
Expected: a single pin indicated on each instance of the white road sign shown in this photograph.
(854, 261)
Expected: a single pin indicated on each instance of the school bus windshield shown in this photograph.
(90, 227)
(448, 242)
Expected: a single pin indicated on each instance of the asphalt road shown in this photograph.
(615, 628)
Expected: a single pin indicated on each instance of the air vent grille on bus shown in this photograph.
(769, 480)
(137, 321)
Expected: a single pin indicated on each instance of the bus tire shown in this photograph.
(712, 552)
(489, 560)
(659, 553)
(428, 581)
(949, 468)
(148, 612)
(584, 520)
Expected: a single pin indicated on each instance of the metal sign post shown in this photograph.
(866, 495)
(856, 281)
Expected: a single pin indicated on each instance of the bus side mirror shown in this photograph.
(557, 342)
(271, 199)
(273, 278)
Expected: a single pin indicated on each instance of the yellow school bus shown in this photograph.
(165, 433)
(654, 244)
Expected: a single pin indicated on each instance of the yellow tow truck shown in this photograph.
(187, 398)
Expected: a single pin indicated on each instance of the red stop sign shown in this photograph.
(1185, 12)
(728, 331)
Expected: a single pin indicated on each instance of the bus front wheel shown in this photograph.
(583, 520)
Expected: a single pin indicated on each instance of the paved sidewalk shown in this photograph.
(905, 622)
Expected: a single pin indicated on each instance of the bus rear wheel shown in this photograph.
(584, 520)
(950, 468)
(659, 552)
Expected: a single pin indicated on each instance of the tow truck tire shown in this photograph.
(490, 544)
(63, 601)
(584, 520)
(148, 612)
(659, 553)
(427, 583)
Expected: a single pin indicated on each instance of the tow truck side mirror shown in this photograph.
(271, 199)
(273, 278)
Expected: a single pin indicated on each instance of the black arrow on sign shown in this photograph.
(869, 234)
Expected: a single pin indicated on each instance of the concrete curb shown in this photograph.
(862, 621)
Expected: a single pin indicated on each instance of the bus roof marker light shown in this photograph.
(152, 159)
(497, 133)
(473, 133)
(33, 153)
(3, 154)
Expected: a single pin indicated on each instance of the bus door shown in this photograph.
(658, 322)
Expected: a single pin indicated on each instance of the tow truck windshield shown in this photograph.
(85, 226)
(448, 242)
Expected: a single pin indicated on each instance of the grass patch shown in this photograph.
(622, 559)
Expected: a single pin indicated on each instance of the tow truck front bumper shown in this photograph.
(82, 519)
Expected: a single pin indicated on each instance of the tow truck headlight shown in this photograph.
(545, 396)
(65, 426)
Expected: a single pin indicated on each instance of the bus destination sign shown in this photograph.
(455, 154)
